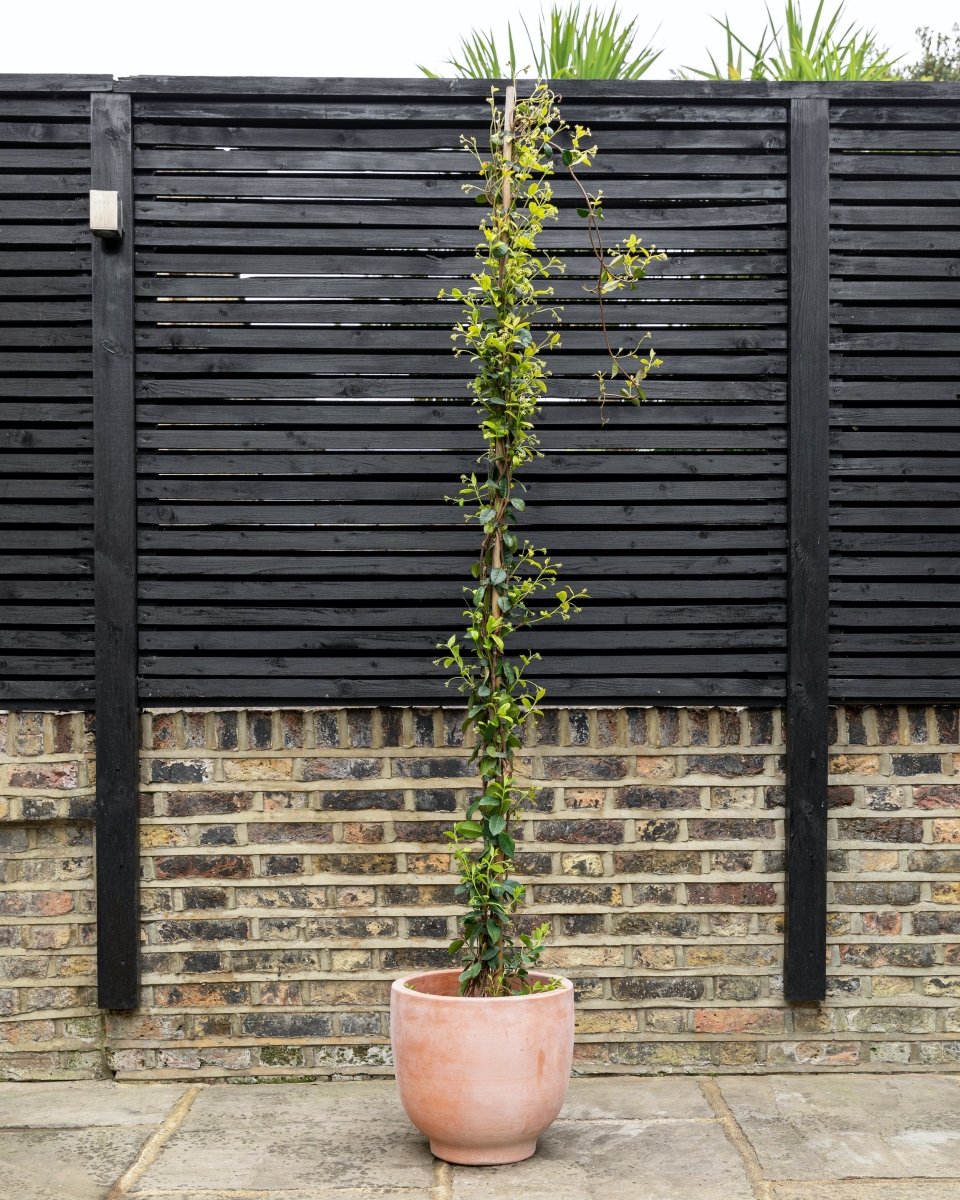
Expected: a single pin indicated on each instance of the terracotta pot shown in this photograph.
(482, 1078)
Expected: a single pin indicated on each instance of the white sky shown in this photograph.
(359, 37)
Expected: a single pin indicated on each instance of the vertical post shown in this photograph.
(115, 549)
(808, 571)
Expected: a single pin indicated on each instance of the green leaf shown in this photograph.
(493, 931)
(468, 829)
(583, 212)
(496, 824)
(497, 576)
(499, 250)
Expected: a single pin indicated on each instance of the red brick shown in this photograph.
(887, 955)
(944, 795)
(226, 731)
(732, 893)
(207, 866)
(340, 768)
(581, 831)
(654, 893)
(55, 776)
(163, 731)
(886, 924)
(731, 860)
(356, 864)
(738, 1020)
(854, 764)
(657, 797)
(657, 831)
(290, 831)
(947, 830)
(657, 862)
(730, 766)
(578, 727)
(916, 764)
(199, 804)
(710, 829)
(948, 724)
(200, 995)
(29, 739)
(278, 993)
(698, 726)
(576, 798)
(840, 797)
(584, 767)
(874, 829)
(362, 832)
(668, 726)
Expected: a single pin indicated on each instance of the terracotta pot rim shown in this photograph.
(399, 987)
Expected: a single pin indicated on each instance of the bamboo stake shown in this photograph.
(509, 108)
(506, 198)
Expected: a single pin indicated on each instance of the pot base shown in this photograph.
(478, 1156)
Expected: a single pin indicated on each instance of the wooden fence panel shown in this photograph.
(46, 435)
(895, 333)
(301, 415)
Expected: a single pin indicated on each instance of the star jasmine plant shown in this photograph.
(507, 327)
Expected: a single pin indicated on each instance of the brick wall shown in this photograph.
(294, 864)
(49, 1023)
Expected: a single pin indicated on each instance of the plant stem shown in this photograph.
(501, 468)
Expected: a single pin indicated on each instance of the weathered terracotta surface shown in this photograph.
(481, 1078)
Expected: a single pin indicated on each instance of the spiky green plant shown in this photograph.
(822, 48)
(571, 43)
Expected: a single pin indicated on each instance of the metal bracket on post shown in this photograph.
(106, 214)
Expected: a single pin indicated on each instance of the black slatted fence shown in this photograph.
(895, 382)
(301, 415)
(46, 436)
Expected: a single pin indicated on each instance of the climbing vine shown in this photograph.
(508, 323)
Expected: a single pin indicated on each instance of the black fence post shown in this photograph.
(808, 572)
(115, 548)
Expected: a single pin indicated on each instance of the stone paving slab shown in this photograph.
(304, 1105)
(854, 1126)
(377, 1150)
(71, 1164)
(312, 1193)
(76, 1105)
(616, 1160)
(918, 1189)
(635, 1099)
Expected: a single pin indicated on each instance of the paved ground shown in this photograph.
(786, 1137)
